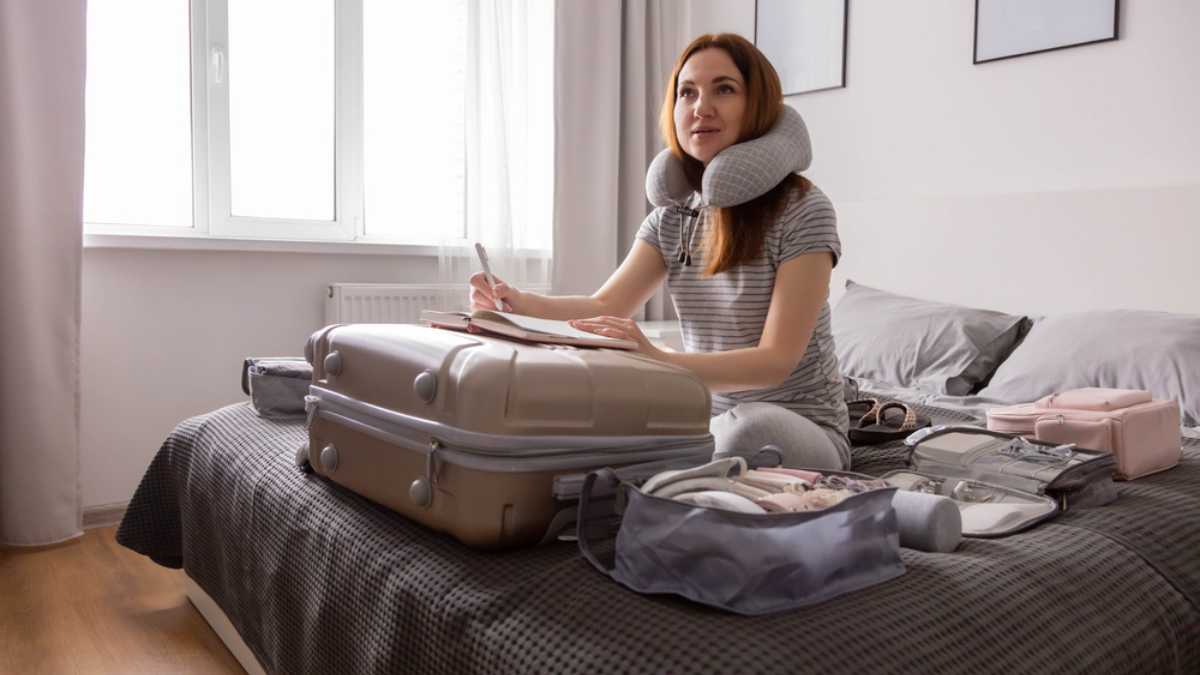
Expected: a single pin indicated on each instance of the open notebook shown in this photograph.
(521, 327)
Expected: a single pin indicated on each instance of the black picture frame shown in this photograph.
(1116, 33)
(781, 67)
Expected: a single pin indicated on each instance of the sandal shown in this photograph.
(879, 427)
(864, 409)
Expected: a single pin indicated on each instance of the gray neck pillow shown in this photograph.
(739, 173)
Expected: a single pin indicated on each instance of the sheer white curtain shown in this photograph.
(41, 217)
(510, 146)
(562, 108)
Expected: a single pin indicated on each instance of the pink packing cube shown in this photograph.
(1143, 434)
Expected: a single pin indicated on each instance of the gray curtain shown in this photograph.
(587, 123)
(652, 35)
(42, 55)
(612, 60)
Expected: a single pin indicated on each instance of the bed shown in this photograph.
(311, 578)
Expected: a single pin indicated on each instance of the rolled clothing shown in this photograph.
(927, 522)
(721, 468)
(703, 484)
(716, 499)
(781, 503)
(808, 476)
(774, 482)
(745, 429)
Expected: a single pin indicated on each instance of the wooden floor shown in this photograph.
(92, 606)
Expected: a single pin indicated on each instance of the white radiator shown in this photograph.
(392, 303)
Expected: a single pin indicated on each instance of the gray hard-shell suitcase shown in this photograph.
(486, 438)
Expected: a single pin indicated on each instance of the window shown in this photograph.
(320, 120)
(138, 153)
(281, 109)
(414, 118)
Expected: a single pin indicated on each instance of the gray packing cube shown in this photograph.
(277, 385)
(750, 564)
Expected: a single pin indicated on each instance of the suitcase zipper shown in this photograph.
(489, 444)
(556, 452)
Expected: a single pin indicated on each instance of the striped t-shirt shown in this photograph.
(728, 310)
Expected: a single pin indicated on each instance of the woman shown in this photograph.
(750, 282)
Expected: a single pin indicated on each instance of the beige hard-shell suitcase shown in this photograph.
(486, 438)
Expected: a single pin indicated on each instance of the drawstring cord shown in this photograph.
(685, 255)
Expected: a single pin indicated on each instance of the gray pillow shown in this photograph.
(938, 347)
(1121, 349)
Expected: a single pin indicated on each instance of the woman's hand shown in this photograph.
(623, 329)
(484, 296)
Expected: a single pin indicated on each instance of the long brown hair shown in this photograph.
(737, 232)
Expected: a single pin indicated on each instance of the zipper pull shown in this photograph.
(310, 410)
(421, 489)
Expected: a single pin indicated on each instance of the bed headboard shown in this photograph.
(1042, 253)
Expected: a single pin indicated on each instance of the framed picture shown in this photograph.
(1008, 28)
(805, 40)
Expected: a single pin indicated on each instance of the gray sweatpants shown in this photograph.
(744, 429)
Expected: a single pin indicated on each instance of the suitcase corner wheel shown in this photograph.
(302, 458)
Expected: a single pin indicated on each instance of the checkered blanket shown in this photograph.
(319, 580)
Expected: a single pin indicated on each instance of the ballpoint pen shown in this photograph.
(487, 273)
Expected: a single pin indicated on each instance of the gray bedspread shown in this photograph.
(319, 580)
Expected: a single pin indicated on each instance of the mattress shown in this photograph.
(315, 579)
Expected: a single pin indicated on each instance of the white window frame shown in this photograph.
(213, 225)
(348, 99)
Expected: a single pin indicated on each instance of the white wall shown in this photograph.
(1045, 183)
(164, 334)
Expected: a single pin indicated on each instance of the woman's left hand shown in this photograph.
(622, 329)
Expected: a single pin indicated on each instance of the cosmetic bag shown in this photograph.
(1142, 434)
(277, 385)
(745, 563)
(1003, 483)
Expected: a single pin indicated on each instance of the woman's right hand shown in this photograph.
(484, 296)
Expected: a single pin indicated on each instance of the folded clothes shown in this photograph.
(717, 499)
(821, 498)
(703, 484)
(728, 483)
(781, 502)
(854, 485)
(774, 482)
(721, 468)
(810, 476)
(810, 500)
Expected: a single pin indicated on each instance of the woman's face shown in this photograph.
(710, 99)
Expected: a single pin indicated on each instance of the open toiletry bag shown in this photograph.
(1142, 433)
(1003, 483)
(748, 563)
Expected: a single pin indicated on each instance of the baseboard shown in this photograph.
(104, 515)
